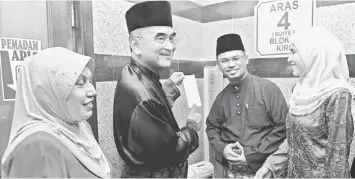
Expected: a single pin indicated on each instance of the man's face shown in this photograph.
(233, 64)
(157, 46)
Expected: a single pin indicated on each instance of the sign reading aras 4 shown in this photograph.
(276, 21)
(13, 52)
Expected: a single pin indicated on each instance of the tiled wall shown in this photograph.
(340, 19)
(105, 98)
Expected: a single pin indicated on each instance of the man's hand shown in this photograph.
(177, 77)
(228, 152)
(240, 152)
(263, 172)
(182, 141)
(194, 119)
(234, 152)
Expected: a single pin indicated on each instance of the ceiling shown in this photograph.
(206, 11)
(206, 3)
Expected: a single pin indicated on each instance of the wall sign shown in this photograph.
(13, 51)
(276, 21)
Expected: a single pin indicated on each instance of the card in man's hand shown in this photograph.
(191, 91)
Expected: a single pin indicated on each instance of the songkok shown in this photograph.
(229, 42)
(149, 13)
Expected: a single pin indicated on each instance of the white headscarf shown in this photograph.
(326, 69)
(44, 85)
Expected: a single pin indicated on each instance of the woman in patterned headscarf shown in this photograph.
(50, 136)
(319, 124)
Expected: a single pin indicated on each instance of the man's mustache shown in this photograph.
(166, 52)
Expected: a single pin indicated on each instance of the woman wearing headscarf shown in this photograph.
(319, 126)
(50, 137)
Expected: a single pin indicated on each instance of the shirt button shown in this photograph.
(237, 97)
(238, 105)
(238, 113)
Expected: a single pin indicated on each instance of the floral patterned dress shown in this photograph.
(317, 144)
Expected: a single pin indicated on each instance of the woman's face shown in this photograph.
(80, 100)
(296, 62)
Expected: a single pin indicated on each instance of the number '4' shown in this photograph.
(284, 21)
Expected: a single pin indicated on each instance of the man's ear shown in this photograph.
(133, 42)
(218, 66)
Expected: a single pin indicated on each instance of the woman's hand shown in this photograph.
(263, 172)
